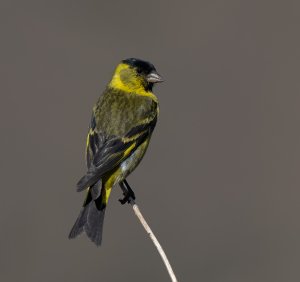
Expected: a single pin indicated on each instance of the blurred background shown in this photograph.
(220, 182)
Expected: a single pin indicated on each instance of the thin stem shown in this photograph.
(151, 235)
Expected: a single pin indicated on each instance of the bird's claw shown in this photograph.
(128, 196)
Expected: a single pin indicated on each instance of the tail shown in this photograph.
(90, 219)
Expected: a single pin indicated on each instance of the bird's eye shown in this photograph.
(139, 71)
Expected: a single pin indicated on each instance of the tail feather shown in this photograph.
(79, 224)
(90, 220)
(94, 226)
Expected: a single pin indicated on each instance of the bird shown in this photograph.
(120, 129)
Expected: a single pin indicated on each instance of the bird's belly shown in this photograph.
(132, 162)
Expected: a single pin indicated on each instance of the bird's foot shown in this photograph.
(128, 195)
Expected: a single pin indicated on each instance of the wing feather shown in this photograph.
(105, 154)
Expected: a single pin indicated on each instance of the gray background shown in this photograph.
(220, 182)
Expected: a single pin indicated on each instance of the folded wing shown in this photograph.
(105, 154)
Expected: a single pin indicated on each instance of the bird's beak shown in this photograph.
(154, 77)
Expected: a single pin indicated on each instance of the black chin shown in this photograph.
(149, 86)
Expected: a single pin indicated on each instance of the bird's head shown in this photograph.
(135, 75)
